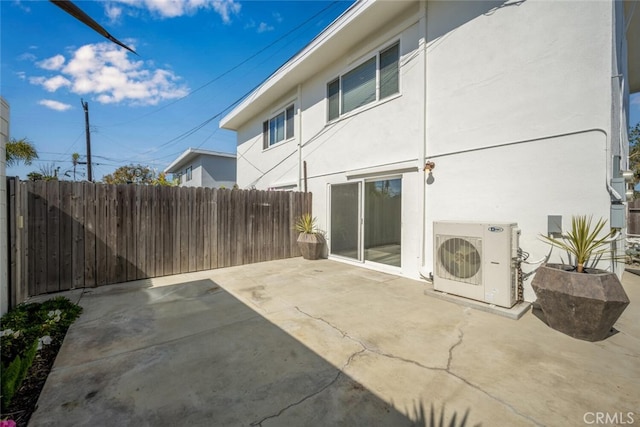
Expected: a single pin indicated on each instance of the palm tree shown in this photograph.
(20, 150)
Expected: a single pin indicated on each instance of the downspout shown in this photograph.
(423, 148)
(299, 96)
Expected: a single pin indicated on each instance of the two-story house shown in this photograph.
(204, 168)
(404, 113)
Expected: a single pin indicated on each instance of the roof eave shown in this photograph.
(189, 155)
(332, 43)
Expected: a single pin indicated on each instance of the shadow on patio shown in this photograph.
(193, 354)
(293, 342)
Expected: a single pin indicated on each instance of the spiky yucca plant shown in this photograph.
(306, 224)
(583, 241)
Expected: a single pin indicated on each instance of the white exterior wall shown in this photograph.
(213, 172)
(518, 122)
(196, 175)
(387, 136)
(218, 172)
(534, 78)
(4, 238)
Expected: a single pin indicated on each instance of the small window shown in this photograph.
(359, 86)
(389, 71)
(188, 174)
(279, 127)
(333, 98)
(289, 122)
(375, 79)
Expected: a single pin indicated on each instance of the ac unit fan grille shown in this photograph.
(459, 259)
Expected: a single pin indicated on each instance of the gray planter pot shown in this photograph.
(311, 245)
(581, 305)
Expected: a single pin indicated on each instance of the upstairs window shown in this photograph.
(188, 173)
(373, 80)
(278, 128)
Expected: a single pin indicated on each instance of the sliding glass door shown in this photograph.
(382, 221)
(366, 224)
(345, 220)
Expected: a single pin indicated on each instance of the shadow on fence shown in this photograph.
(67, 235)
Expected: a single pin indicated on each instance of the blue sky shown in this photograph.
(196, 58)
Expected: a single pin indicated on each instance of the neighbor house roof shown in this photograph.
(190, 155)
(332, 43)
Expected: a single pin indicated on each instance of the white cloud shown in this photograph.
(113, 12)
(51, 84)
(21, 75)
(105, 71)
(174, 8)
(53, 63)
(226, 8)
(55, 83)
(277, 17)
(263, 27)
(27, 56)
(54, 105)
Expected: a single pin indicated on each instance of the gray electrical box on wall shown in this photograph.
(617, 216)
(554, 225)
(620, 186)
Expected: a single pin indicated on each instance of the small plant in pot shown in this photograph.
(311, 240)
(579, 301)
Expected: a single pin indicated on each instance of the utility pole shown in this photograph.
(85, 106)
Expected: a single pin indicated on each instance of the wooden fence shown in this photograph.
(633, 219)
(66, 235)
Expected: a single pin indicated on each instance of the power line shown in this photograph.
(235, 67)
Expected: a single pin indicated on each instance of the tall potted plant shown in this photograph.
(310, 240)
(579, 301)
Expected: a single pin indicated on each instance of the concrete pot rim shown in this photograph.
(567, 268)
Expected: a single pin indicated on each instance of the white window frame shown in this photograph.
(188, 174)
(378, 99)
(289, 127)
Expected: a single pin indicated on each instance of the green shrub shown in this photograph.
(14, 374)
(21, 329)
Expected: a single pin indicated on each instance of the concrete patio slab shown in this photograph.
(300, 343)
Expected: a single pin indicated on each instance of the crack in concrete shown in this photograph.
(460, 338)
(315, 393)
(343, 333)
(416, 363)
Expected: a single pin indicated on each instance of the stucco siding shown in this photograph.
(384, 132)
(518, 72)
(516, 103)
(218, 172)
(542, 91)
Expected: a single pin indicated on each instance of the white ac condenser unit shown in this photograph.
(477, 260)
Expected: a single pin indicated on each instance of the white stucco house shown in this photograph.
(402, 114)
(204, 168)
